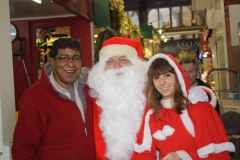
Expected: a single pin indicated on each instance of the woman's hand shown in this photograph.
(171, 156)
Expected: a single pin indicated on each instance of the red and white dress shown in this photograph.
(197, 133)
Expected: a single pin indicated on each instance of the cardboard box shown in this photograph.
(230, 105)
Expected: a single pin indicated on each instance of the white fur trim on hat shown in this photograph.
(173, 64)
(112, 50)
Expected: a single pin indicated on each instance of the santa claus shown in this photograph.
(117, 84)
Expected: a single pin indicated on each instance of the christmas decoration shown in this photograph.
(122, 25)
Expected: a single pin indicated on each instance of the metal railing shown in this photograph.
(226, 90)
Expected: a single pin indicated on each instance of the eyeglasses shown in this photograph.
(66, 58)
(122, 61)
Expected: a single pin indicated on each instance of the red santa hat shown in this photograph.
(182, 78)
(120, 46)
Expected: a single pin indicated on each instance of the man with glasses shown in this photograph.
(117, 84)
(56, 114)
(191, 67)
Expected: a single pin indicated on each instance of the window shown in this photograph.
(181, 16)
(159, 17)
(186, 16)
(133, 16)
(174, 17)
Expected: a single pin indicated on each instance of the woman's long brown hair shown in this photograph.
(158, 67)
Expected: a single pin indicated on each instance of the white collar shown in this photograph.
(58, 87)
(66, 93)
(167, 103)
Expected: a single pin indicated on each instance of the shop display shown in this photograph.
(45, 38)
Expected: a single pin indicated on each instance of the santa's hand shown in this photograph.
(197, 94)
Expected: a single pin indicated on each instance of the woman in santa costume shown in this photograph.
(181, 130)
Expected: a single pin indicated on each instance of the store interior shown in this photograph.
(196, 28)
(185, 25)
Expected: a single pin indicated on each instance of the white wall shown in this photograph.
(234, 12)
(7, 95)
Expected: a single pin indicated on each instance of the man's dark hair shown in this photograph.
(63, 43)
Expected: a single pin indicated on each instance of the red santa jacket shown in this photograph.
(99, 140)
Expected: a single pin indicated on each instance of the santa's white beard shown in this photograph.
(122, 101)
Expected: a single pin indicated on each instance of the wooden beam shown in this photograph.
(230, 2)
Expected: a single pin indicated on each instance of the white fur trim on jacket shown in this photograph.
(213, 100)
(196, 94)
(147, 137)
(164, 133)
(187, 122)
(215, 148)
(117, 50)
(184, 155)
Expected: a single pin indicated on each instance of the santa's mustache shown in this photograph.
(123, 71)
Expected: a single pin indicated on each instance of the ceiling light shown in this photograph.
(38, 1)
(205, 54)
(169, 34)
(160, 31)
(173, 36)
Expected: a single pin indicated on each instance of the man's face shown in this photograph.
(65, 70)
(117, 62)
(190, 71)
